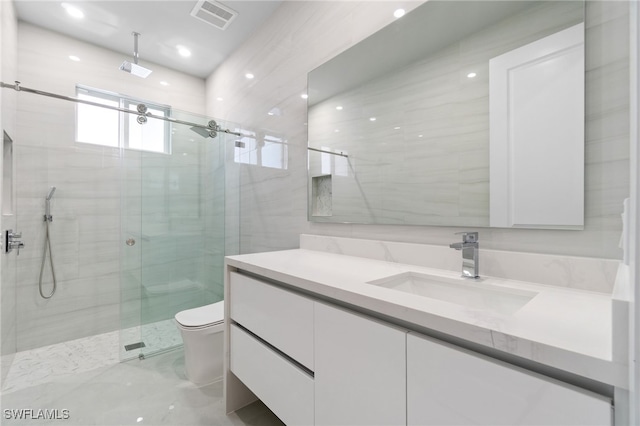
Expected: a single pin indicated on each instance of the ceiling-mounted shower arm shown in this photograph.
(134, 68)
(136, 55)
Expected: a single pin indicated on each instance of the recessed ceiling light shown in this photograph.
(399, 13)
(339, 107)
(219, 98)
(249, 75)
(396, 128)
(74, 58)
(183, 51)
(372, 119)
(164, 83)
(73, 11)
(337, 130)
(471, 75)
(304, 96)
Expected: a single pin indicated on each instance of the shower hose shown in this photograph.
(47, 246)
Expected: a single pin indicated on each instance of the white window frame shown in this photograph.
(250, 152)
(125, 120)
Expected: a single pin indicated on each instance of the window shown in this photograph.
(264, 150)
(107, 127)
(338, 163)
(246, 151)
(274, 153)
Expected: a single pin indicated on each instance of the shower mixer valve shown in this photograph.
(12, 241)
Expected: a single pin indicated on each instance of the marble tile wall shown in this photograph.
(302, 35)
(103, 196)
(8, 307)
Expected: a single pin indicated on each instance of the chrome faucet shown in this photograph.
(469, 247)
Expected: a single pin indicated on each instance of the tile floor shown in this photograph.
(103, 391)
(48, 363)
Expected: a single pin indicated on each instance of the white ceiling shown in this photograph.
(163, 25)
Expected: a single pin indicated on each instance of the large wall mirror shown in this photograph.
(460, 113)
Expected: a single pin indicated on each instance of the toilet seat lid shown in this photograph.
(201, 316)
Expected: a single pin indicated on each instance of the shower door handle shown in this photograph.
(12, 241)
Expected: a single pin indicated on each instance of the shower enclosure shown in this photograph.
(137, 234)
(172, 235)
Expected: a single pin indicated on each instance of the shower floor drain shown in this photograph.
(133, 346)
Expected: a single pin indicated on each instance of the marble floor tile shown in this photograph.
(48, 363)
(41, 365)
(152, 391)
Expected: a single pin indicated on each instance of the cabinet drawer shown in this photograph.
(280, 317)
(452, 386)
(360, 376)
(282, 386)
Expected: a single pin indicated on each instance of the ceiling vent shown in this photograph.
(214, 13)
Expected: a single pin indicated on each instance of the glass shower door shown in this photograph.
(175, 213)
(131, 344)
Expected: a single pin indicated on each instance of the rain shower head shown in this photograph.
(134, 68)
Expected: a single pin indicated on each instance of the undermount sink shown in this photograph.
(461, 291)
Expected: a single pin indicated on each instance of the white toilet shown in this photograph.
(202, 332)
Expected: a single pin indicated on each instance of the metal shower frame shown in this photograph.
(211, 127)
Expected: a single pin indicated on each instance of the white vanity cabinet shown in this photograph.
(313, 362)
(280, 317)
(284, 388)
(271, 346)
(447, 385)
(360, 369)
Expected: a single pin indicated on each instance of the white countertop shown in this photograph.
(560, 327)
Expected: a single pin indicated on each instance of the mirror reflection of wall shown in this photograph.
(417, 136)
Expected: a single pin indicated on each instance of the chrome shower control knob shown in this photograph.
(12, 241)
(131, 242)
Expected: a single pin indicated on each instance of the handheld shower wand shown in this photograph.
(47, 210)
(47, 247)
